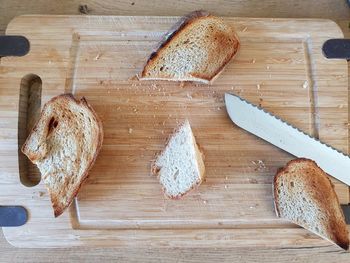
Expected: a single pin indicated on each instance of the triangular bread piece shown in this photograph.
(64, 145)
(196, 49)
(304, 195)
(180, 166)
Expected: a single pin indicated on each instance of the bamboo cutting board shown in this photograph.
(279, 66)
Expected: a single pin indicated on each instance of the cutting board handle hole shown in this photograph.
(28, 115)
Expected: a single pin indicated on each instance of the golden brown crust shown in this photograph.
(181, 26)
(172, 34)
(58, 210)
(220, 69)
(337, 229)
(33, 157)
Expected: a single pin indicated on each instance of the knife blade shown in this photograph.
(283, 135)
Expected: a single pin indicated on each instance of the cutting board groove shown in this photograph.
(28, 115)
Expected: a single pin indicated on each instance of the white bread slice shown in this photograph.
(64, 145)
(197, 49)
(304, 195)
(180, 166)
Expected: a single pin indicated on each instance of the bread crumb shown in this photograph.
(97, 56)
(244, 29)
(258, 86)
(189, 96)
(226, 178)
(267, 67)
(135, 77)
(341, 106)
(41, 193)
(154, 86)
(226, 186)
(130, 130)
(253, 61)
(260, 165)
(218, 108)
(253, 181)
(305, 84)
(260, 162)
(204, 201)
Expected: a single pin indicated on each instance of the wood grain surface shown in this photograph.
(258, 8)
(235, 8)
(280, 67)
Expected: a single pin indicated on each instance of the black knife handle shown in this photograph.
(337, 48)
(13, 46)
(13, 216)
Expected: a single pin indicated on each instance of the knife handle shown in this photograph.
(13, 46)
(337, 48)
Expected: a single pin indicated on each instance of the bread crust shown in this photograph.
(58, 210)
(340, 234)
(175, 30)
(174, 33)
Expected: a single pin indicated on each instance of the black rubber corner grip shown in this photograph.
(11, 216)
(13, 46)
(346, 211)
(337, 48)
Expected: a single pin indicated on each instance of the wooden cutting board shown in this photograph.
(279, 66)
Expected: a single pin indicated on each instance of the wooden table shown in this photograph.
(335, 10)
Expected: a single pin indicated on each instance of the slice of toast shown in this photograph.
(64, 145)
(304, 195)
(180, 166)
(196, 49)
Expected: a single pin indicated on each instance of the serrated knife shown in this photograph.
(281, 134)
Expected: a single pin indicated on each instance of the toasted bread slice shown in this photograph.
(304, 195)
(64, 145)
(197, 49)
(180, 167)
